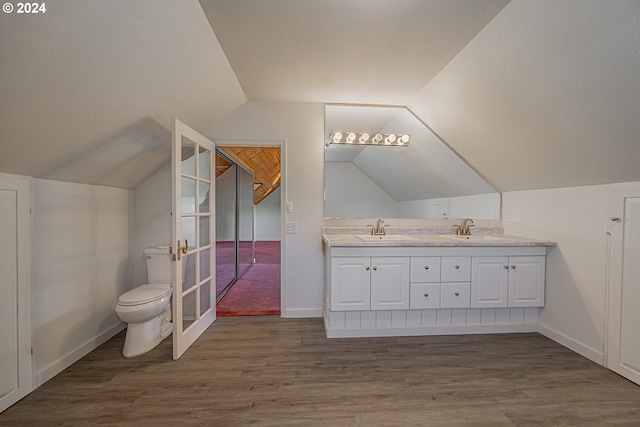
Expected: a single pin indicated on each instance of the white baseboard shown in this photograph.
(428, 330)
(302, 312)
(70, 358)
(583, 350)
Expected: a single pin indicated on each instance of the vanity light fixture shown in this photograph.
(336, 137)
(363, 138)
(350, 137)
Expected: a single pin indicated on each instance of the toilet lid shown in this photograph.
(143, 294)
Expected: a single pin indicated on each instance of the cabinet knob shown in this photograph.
(506, 267)
(457, 267)
(375, 268)
(457, 294)
(513, 267)
(426, 295)
(426, 267)
(367, 268)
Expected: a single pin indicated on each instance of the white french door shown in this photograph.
(15, 291)
(193, 235)
(623, 320)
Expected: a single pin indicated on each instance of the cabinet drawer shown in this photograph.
(425, 269)
(424, 295)
(455, 269)
(455, 295)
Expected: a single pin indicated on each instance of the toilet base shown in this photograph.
(145, 336)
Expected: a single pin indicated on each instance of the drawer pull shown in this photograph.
(367, 268)
(457, 267)
(426, 267)
(513, 266)
(506, 267)
(375, 268)
(457, 294)
(426, 295)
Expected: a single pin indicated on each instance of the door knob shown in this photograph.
(615, 219)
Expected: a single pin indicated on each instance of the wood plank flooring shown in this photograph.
(269, 371)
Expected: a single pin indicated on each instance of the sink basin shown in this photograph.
(387, 237)
(471, 238)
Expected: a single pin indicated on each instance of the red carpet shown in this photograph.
(257, 292)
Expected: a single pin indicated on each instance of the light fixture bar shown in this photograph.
(363, 138)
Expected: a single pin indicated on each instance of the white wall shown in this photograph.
(577, 219)
(267, 215)
(302, 127)
(152, 219)
(81, 237)
(352, 194)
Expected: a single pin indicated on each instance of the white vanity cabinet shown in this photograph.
(413, 289)
(516, 281)
(369, 283)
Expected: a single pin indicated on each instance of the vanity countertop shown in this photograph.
(426, 240)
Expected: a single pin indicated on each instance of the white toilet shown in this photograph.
(147, 308)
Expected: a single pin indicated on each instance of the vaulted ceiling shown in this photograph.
(534, 94)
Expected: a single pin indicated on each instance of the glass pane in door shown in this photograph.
(205, 298)
(189, 314)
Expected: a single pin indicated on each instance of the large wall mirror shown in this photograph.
(425, 179)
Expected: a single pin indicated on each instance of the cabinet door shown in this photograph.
(390, 283)
(489, 282)
(350, 283)
(455, 269)
(526, 281)
(425, 269)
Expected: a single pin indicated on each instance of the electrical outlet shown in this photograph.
(289, 207)
(292, 227)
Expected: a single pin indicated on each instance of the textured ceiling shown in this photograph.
(357, 51)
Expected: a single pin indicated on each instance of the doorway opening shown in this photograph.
(248, 217)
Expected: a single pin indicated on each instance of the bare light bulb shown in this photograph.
(337, 136)
(390, 139)
(350, 137)
(364, 137)
(377, 138)
(404, 139)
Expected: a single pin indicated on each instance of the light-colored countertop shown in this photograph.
(426, 240)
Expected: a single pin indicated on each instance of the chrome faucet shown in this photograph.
(378, 229)
(463, 229)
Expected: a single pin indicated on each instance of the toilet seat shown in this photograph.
(144, 294)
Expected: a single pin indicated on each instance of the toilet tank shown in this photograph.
(158, 263)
